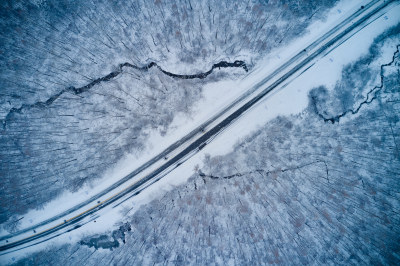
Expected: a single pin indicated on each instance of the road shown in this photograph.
(183, 149)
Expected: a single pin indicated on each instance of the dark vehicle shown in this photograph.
(202, 146)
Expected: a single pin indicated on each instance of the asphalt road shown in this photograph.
(196, 139)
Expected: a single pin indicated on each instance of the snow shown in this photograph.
(290, 100)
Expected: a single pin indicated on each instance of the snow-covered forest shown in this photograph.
(301, 190)
(48, 47)
(85, 83)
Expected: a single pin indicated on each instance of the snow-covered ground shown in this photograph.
(216, 96)
(73, 140)
(292, 99)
